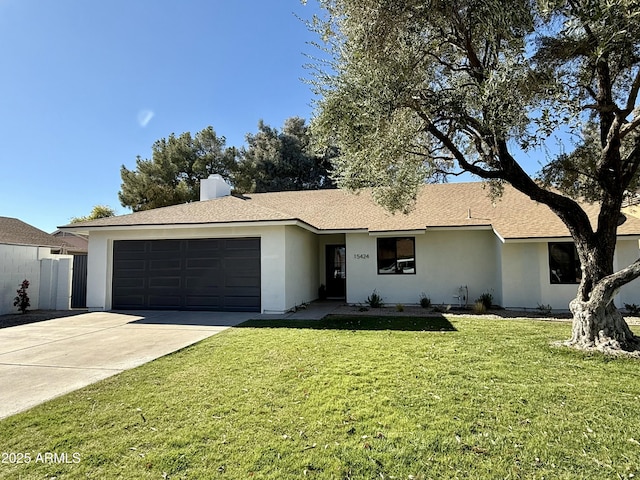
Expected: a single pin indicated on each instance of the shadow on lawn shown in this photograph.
(347, 322)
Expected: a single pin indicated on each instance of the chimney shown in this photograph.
(214, 187)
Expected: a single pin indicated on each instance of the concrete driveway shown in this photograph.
(43, 360)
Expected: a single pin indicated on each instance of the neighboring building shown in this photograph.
(27, 253)
(269, 252)
(74, 244)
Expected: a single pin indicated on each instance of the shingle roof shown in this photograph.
(16, 232)
(450, 205)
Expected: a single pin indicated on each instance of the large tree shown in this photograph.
(420, 89)
(282, 160)
(173, 173)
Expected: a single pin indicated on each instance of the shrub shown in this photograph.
(374, 300)
(479, 307)
(22, 299)
(399, 307)
(632, 308)
(545, 309)
(486, 299)
(425, 302)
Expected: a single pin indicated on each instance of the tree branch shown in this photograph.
(632, 125)
(608, 287)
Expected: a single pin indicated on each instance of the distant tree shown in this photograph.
(98, 211)
(172, 176)
(277, 161)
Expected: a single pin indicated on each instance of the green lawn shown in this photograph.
(357, 398)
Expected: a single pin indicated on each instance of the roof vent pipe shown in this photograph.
(214, 187)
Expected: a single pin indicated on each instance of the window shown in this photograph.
(564, 265)
(396, 256)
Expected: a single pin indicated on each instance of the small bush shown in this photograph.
(399, 307)
(425, 302)
(545, 309)
(479, 307)
(632, 308)
(486, 299)
(22, 299)
(374, 300)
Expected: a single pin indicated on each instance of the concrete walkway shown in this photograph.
(40, 361)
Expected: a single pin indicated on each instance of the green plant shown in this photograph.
(399, 307)
(545, 309)
(479, 307)
(22, 299)
(425, 302)
(486, 299)
(375, 300)
(633, 309)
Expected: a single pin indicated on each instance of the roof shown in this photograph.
(78, 244)
(16, 232)
(451, 205)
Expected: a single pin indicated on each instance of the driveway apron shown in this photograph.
(40, 361)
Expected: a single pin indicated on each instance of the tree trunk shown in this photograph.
(598, 325)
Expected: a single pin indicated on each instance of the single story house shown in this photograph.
(28, 253)
(270, 252)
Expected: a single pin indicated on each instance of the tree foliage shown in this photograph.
(417, 90)
(98, 211)
(172, 175)
(282, 160)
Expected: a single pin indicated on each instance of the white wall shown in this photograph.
(627, 252)
(301, 274)
(56, 274)
(20, 262)
(522, 275)
(526, 282)
(445, 260)
(273, 263)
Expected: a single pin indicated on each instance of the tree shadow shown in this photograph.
(358, 322)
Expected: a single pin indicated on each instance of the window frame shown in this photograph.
(572, 265)
(383, 269)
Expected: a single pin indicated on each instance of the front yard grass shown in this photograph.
(348, 398)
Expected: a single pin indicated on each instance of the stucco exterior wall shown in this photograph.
(445, 260)
(526, 278)
(301, 275)
(627, 252)
(273, 262)
(521, 275)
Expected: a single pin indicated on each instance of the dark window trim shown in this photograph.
(395, 271)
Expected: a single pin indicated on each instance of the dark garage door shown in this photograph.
(199, 274)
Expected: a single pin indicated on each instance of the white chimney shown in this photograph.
(214, 187)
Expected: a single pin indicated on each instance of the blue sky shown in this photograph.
(86, 86)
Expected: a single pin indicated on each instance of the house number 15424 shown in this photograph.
(361, 256)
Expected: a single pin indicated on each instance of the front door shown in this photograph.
(336, 271)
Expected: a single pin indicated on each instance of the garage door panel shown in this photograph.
(203, 302)
(172, 302)
(206, 274)
(165, 282)
(164, 246)
(132, 301)
(241, 303)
